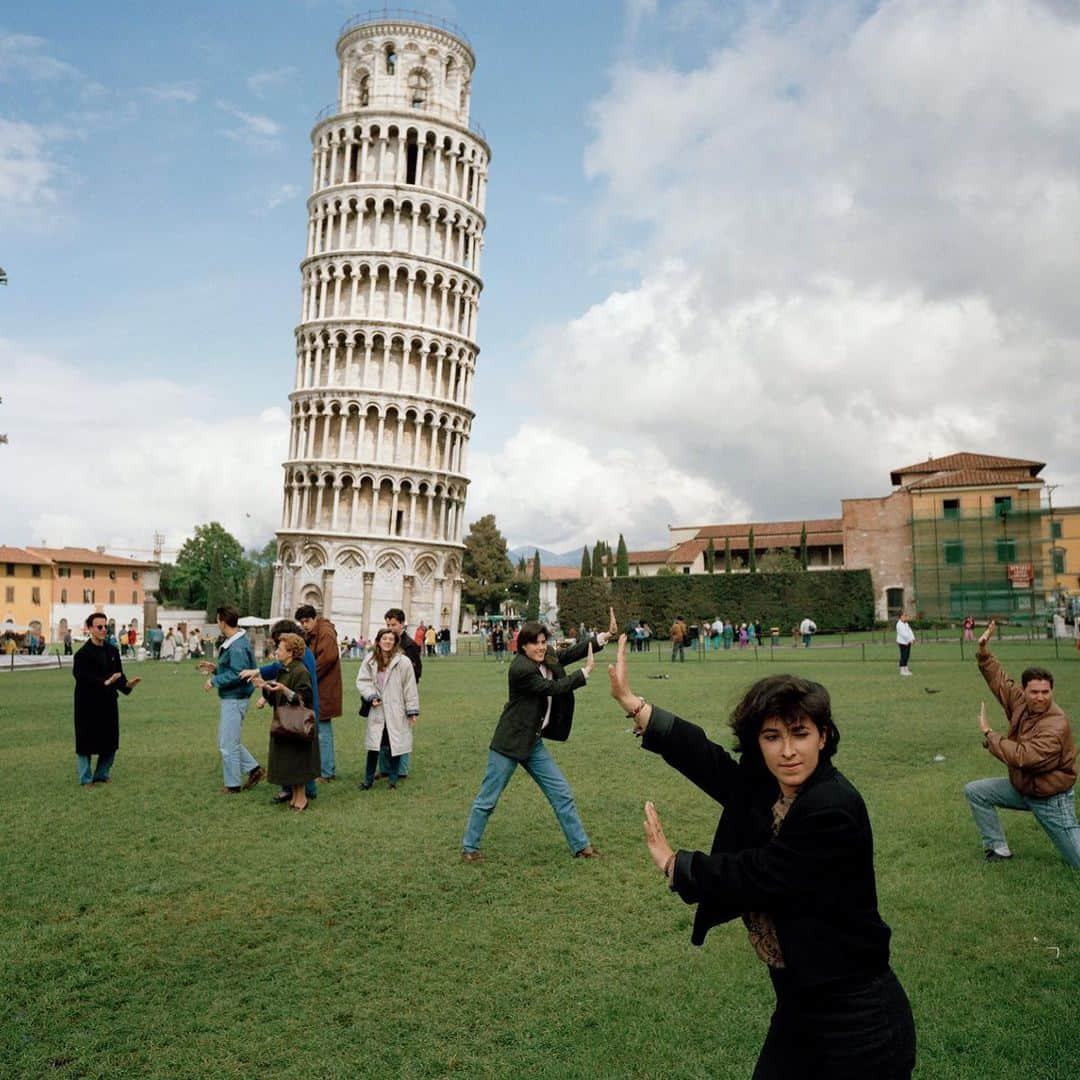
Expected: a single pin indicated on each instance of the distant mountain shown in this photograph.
(547, 558)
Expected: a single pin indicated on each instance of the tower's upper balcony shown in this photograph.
(405, 61)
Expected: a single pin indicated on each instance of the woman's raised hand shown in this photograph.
(660, 850)
(613, 626)
(620, 685)
(590, 662)
(991, 626)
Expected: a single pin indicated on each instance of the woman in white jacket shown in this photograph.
(387, 682)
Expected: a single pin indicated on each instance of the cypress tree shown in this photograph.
(598, 558)
(532, 604)
(215, 586)
(804, 555)
(586, 564)
(622, 559)
(710, 557)
(751, 560)
(727, 554)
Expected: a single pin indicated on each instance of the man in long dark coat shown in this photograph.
(99, 676)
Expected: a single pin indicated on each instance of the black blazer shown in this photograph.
(518, 729)
(815, 877)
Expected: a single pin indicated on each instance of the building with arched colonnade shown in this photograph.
(375, 480)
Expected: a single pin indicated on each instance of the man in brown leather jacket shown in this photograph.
(1039, 752)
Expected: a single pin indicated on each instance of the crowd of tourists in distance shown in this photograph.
(792, 853)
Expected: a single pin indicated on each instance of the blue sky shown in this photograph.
(740, 261)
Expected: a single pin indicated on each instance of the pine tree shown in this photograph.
(710, 557)
(586, 563)
(622, 559)
(751, 560)
(727, 554)
(532, 604)
(804, 555)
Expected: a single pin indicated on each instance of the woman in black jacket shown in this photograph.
(793, 856)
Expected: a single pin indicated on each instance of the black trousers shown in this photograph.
(905, 655)
(858, 1032)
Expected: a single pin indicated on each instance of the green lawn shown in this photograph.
(154, 928)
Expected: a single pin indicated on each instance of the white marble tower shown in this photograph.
(375, 481)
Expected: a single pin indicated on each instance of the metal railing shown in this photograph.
(392, 103)
(389, 14)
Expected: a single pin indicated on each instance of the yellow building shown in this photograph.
(1063, 525)
(26, 599)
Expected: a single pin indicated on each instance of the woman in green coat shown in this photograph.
(292, 763)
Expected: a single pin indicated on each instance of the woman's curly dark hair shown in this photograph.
(789, 698)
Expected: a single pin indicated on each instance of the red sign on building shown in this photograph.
(1021, 575)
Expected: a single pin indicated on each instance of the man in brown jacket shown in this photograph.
(678, 639)
(1039, 752)
(322, 638)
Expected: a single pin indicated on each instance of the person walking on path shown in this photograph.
(792, 856)
(807, 628)
(387, 682)
(1039, 752)
(322, 637)
(99, 677)
(292, 763)
(240, 769)
(969, 628)
(905, 638)
(678, 639)
(540, 705)
(395, 620)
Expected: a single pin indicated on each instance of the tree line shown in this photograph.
(212, 568)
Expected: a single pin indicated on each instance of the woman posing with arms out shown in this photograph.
(793, 856)
(293, 763)
(386, 680)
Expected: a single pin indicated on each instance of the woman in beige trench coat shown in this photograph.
(386, 680)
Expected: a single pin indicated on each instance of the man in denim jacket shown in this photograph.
(241, 770)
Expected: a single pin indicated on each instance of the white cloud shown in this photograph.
(257, 132)
(100, 457)
(855, 236)
(552, 490)
(261, 82)
(26, 170)
(283, 194)
(23, 57)
(183, 93)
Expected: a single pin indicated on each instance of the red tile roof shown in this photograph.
(772, 529)
(559, 573)
(90, 558)
(967, 461)
(660, 555)
(971, 478)
(22, 555)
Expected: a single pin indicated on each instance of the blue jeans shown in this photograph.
(1055, 813)
(235, 758)
(541, 766)
(806, 640)
(384, 763)
(678, 647)
(326, 748)
(94, 776)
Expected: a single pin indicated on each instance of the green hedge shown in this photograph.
(834, 599)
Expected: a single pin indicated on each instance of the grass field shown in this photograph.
(154, 928)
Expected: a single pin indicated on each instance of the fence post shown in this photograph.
(862, 645)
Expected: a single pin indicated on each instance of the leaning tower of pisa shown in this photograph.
(375, 480)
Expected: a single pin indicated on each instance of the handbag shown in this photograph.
(365, 707)
(293, 722)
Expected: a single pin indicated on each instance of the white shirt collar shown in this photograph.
(229, 640)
